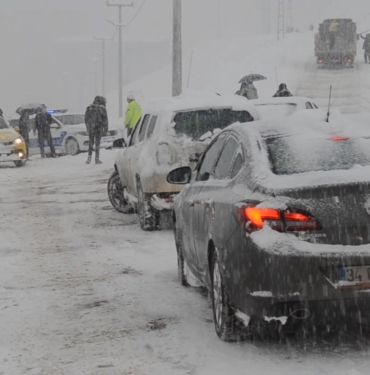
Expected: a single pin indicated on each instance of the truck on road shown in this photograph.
(335, 43)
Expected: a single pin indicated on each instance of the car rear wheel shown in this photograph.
(147, 215)
(20, 163)
(72, 147)
(228, 327)
(117, 195)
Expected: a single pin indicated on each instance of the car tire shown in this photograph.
(227, 326)
(147, 215)
(181, 276)
(72, 147)
(116, 194)
(20, 163)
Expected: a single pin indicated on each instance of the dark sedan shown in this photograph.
(275, 223)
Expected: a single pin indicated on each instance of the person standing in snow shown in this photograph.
(43, 121)
(248, 90)
(24, 127)
(133, 114)
(366, 47)
(96, 120)
(282, 92)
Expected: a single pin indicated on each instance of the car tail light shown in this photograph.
(279, 220)
(320, 61)
(338, 139)
(349, 60)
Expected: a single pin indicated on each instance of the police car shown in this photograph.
(68, 131)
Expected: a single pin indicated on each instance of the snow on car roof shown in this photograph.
(201, 100)
(313, 127)
(283, 100)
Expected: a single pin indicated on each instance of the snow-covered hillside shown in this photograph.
(219, 65)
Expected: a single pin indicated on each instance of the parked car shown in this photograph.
(285, 106)
(69, 134)
(12, 145)
(274, 222)
(172, 132)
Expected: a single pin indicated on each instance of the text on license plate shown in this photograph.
(355, 274)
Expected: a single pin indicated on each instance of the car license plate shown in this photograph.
(108, 139)
(357, 275)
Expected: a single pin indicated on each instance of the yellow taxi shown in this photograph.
(12, 145)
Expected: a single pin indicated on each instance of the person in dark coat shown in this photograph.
(366, 47)
(43, 121)
(96, 120)
(282, 92)
(248, 90)
(24, 128)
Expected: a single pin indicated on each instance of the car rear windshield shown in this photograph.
(3, 124)
(299, 154)
(194, 124)
(71, 119)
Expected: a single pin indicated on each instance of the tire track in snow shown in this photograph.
(351, 87)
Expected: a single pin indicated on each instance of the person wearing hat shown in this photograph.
(282, 92)
(133, 114)
(96, 120)
(43, 120)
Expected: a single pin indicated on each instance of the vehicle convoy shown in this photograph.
(68, 131)
(172, 132)
(12, 145)
(274, 222)
(336, 43)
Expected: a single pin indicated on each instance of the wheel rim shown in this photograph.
(72, 147)
(118, 194)
(217, 294)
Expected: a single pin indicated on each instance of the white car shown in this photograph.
(69, 134)
(171, 132)
(276, 107)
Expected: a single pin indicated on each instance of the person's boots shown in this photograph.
(88, 161)
(97, 161)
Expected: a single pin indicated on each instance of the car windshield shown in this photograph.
(271, 110)
(3, 124)
(299, 154)
(71, 119)
(195, 124)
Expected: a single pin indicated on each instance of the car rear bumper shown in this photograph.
(275, 277)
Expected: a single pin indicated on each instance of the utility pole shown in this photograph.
(290, 14)
(281, 20)
(103, 40)
(120, 72)
(176, 50)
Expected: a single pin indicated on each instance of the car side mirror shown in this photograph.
(179, 176)
(119, 143)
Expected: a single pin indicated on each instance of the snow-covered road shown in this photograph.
(84, 291)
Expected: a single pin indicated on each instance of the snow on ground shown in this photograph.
(84, 291)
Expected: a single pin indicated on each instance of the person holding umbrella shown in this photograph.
(247, 88)
(43, 121)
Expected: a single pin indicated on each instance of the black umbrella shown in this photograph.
(33, 108)
(252, 77)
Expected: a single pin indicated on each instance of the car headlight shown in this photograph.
(85, 134)
(17, 141)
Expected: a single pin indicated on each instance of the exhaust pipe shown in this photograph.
(300, 314)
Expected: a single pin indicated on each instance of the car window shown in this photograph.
(308, 105)
(143, 127)
(75, 119)
(196, 124)
(238, 163)
(151, 127)
(226, 159)
(209, 158)
(133, 139)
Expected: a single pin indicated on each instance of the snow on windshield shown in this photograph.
(196, 124)
(276, 110)
(299, 154)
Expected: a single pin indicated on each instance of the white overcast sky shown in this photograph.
(33, 62)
